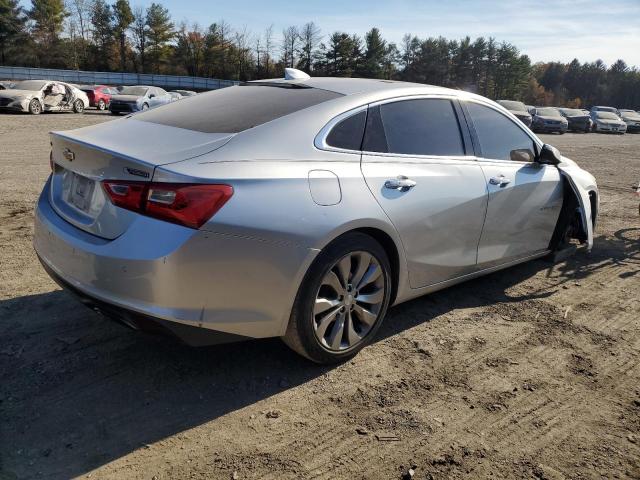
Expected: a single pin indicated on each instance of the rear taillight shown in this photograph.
(186, 204)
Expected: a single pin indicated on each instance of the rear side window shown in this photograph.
(500, 138)
(234, 109)
(348, 133)
(414, 127)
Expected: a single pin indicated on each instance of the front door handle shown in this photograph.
(500, 180)
(401, 183)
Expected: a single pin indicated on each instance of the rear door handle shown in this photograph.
(500, 180)
(401, 183)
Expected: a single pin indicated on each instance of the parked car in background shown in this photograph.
(549, 120)
(608, 122)
(577, 119)
(4, 86)
(264, 210)
(632, 119)
(99, 95)
(37, 96)
(131, 99)
(175, 96)
(532, 111)
(605, 109)
(518, 109)
(185, 93)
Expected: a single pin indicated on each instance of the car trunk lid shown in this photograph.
(123, 149)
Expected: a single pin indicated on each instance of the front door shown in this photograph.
(416, 166)
(525, 197)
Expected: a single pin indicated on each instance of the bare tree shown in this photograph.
(268, 49)
(310, 38)
(139, 31)
(290, 40)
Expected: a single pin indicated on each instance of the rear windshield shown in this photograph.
(548, 112)
(570, 112)
(238, 108)
(513, 105)
(137, 91)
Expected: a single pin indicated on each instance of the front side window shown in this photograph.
(500, 138)
(414, 127)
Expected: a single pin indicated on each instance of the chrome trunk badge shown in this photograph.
(68, 155)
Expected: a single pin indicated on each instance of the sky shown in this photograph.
(546, 30)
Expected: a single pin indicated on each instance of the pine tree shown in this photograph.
(12, 22)
(101, 19)
(374, 55)
(48, 18)
(123, 18)
(160, 31)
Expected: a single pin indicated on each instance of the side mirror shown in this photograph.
(549, 155)
(152, 95)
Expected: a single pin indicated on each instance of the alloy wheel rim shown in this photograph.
(349, 301)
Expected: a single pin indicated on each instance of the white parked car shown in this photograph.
(37, 96)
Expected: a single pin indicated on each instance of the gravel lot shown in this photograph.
(533, 372)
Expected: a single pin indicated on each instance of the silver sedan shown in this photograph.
(301, 208)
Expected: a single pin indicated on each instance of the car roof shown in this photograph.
(352, 86)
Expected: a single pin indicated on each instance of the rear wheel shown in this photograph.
(35, 108)
(342, 300)
(78, 106)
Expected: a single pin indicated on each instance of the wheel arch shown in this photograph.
(389, 245)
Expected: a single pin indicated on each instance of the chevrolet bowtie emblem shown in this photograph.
(68, 155)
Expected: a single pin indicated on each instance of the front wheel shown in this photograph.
(145, 107)
(342, 300)
(78, 106)
(101, 104)
(35, 108)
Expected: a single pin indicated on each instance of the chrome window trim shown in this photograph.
(320, 141)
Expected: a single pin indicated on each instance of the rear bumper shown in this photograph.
(168, 273)
(194, 336)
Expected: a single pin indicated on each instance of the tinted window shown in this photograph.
(234, 109)
(416, 127)
(348, 133)
(499, 137)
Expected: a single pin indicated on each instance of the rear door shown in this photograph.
(525, 197)
(418, 164)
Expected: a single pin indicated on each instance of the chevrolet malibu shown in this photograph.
(300, 208)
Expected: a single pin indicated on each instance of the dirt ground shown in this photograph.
(532, 372)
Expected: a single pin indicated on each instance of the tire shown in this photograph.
(35, 107)
(101, 104)
(78, 106)
(145, 106)
(568, 224)
(348, 326)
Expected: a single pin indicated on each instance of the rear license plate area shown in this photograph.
(81, 192)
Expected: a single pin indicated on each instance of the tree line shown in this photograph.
(97, 35)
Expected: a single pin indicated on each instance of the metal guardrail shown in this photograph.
(113, 78)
